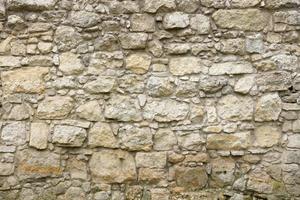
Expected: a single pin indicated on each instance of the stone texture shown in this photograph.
(245, 84)
(186, 65)
(191, 178)
(70, 64)
(294, 141)
(200, 23)
(112, 166)
(273, 81)
(176, 20)
(268, 107)
(138, 63)
(39, 135)
(103, 84)
(138, 23)
(14, 133)
(101, 135)
(159, 86)
(90, 111)
(164, 139)
(222, 172)
(56, 107)
(151, 160)
(69, 136)
(133, 40)
(83, 19)
(67, 37)
(31, 5)
(248, 20)
(152, 6)
(267, 135)
(236, 141)
(26, 80)
(231, 68)
(10, 61)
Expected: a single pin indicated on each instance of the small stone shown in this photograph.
(186, 65)
(273, 81)
(101, 135)
(287, 17)
(190, 140)
(67, 38)
(231, 68)
(10, 61)
(90, 111)
(69, 136)
(246, 19)
(30, 5)
(233, 46)
(122, 108)
(103, 84)
(164, 139)
(138, 63)
(151, 160)
(234, 141)
(14, 133)
(152, 6)
(200, 23)
(135, 139)
(191, 178)
(222, 172)
(234, 108)
(159, 86)
(268, 107)
(176, 20)
(163, 111)
(70, 64)
(294, 141)
(138, 23)
(45, 47)
(212, 84)
(255, 44)
(267, 135)
(112, 166)
(177, 48)
(39, 135)
(6, 169)
(133, 40)
(84, 19)
(244, 84)
(55, 107)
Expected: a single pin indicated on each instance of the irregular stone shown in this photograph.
(273, 81)
(291, 17)
(187, 6)
(37, 164)
(90, 111)
(234, 108)
(40, 61)
(267, 135)
(135, 139)
(100, 61)
(186, 89)
(296, 126)
(246, 19)
(15, 22)
(152, 6)
(164, 139)
(39, 135)
(138, 63)
(233, 46)
(156, 48)
(191, 178)
(138, 23)
(133, 40)
(282, 3)
(122, 108)
(39, 27)
(259, 181)
(151, 160)
(190, 140)
(74, 193)
(70, 64)
(132, 83)
(177, 48)
(127, 7)
(294, 141)
(212, 83)
(101, 135)
(66, 38)
(19, 112)
(244, 84)
(84, 19)
(14, 133)
(213, 3)
(65, 82)
(6, 169)
(290, 157)
(231, 68)
(176, 20)
(268, 107)
(159, 86)
(2, 10)
(112, 166)
(152, 176)
(108, 42)
(222, 172)
(186, 65)
(244, 3)
(103, 84)
(200, 23)
(69, 136)
(255, 44)
(45, 47)
(163, 111)
(56, 107)
(236, 141)
(10, 61)
(286, 62)
(31, 5)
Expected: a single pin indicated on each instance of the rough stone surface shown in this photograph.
(231, 68)
(101, 135)
(65, 135)
(138, 63)
(39, 135)
(267, 135)
(176, 20)
(70, 64)
(268, 107)
(186, 65)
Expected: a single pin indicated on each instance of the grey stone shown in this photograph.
(176, 20)
(186, 65)
(70, 64)
(200, 23)
(14, 133)
(90, 111)
(164, 139)
(84, 19)
(294, 141)
(103, 84)
(142, 23)
(31, 5)
(133, 40)
(153, 6)
(159, 86)
(231, 68)
(69, 136)
(268, 107)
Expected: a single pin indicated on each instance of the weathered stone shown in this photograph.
(127, 7)
(200, 23)
(45, 47)
(259, 181)
(74, 193)
(90, 111)
(212, 83)
(39, 135)
(14, 133)
(187, 6)
(286, 62)
(247, 19)
(112, 166)
(273, 81)
(244, 3)
(222, 172)
(191, 178)
(231, 68)
(294, 141)
(6, 169)
(10, 61)
(234, 141)
(268, 107)
(138, 23)
(84, 19)
(151, 160)
(138, 63)
(108, 42)
(56, 107)
(288, 17)
(186, 89)
(164, 139)
(2, 10)
(70, 64)
(282, 3)
(100, 61)
(122, 108)
(37, 164)
(27, 80)
(267, 135)
(176, 20)
(67, 38)
(133, 40)
(159, 86)
(135, 139)
(153, 6)
(103, 84)
(40, 61)
(177, 48)
(232, 46)
(70, 136)
(163, 111)
(190, 140)
(255, 44)
(234, 108)
(152, 175)
(101, 135)
(31, 5)
(19, 112)
(244, 84)
(186, 65)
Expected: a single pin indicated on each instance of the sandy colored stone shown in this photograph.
(268, 107)
(152, 6)
(164, 139)
(138, 23)
(10, 61)
(39, 135)
(191, 178)
(231, 68)
(186, 65)
(151, 160)
(103, 84)
(70, 63)
(90, 111)
(176, 20)
(267, 135)
(234, 141)
(101, 135)
(138, 63)
(69, 136)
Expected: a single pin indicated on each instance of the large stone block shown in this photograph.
(14, 133)
(176, 20)
(133, 40)
(151, 160)
(231, 68)
(186, 65)
(267, 135)
(268, 107)
(10, 61)
(101, 135)
(84, 19)
(236, 141)
(70, 64)
(191, 178)
(153, 6)
(69, 136)
(39, 135)
(31, 5)
(138, 63)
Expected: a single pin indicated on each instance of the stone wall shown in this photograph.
(150, 100)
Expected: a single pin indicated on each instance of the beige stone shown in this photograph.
(231, 68)
(152, 6)
(234, 141)
(222, 172)
(101, 135)
(70, 63)
(103, 84)
(90, 111)
(191, 178)
(138, 63)
(200, 23)
(151, 160)
(142, 22)
(176, 20)
(133, 40)
(186, 65)
(69, 136)
(268, 107)
(267, 135)
(14, 133)
(164, 139)
(39, 135)
(10, 61)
